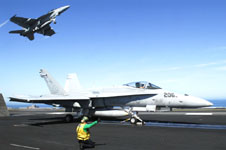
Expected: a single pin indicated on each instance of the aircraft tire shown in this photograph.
(133, 120)
(68, 118)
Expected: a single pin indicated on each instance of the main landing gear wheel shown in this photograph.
(68, 118)
(133, 120)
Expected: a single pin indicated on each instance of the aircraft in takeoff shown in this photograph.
(40, 25)
(124, 100)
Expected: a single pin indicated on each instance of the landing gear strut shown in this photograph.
(134, 117)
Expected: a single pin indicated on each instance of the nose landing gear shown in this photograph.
(135, 119)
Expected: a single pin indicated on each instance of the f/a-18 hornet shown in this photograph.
(124, 100)
(40, 25)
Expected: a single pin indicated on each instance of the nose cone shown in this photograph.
(62, 9)
(199, 102)
(65, 8)
(195, 102)
(208, 103)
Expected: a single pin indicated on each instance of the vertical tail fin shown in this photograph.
(3, 108)
(53, 85)
(72, 83)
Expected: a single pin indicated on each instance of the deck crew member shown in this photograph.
(83, 133)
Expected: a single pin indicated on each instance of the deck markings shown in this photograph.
(201, 114)
(23, 146)
(184, 125)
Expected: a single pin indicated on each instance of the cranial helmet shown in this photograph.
(84, 119)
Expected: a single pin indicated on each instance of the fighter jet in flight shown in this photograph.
(40, 25)
(120, 101)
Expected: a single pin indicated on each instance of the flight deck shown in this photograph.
(164, 130)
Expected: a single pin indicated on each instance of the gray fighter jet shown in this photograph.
(110, 102)
(40, 25)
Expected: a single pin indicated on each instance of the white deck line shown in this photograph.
(201, 114)
(23, 146)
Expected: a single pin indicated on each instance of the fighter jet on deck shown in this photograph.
(40, 25)
(130, 98)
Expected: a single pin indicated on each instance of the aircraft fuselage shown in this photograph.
(127, 96)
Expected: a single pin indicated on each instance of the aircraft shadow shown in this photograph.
(178, 122)
(40, 122)
(96, 145)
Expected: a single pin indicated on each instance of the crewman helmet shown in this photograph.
(84, 119)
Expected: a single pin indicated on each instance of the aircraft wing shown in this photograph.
(23, 22)
(48, 99)
(48, 31)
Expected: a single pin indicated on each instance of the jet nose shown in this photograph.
(203, 102)
(209, 103)
(66, 7)
(62, 9)
(191, 101)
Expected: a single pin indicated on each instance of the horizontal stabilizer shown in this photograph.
(3, 108)
(16, 31)
(30, 35)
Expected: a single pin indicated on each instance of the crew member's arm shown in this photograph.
(87, 126)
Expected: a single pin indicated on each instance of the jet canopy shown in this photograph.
(142, 85)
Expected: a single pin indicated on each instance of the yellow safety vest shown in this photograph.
(81, 134)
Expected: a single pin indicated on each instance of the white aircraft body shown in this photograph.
(40, 25)
(128, 99)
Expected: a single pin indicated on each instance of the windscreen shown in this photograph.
(142, 85)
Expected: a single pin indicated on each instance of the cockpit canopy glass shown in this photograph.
(142, 85)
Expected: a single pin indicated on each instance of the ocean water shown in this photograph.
(27, 105)
(217, 103)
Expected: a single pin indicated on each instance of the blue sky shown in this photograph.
(177, 45)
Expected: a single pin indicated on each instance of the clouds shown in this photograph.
(221, 62)
(217, 65)
(222, 68)
(4, 23)
(194, 78)
(206, 64)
